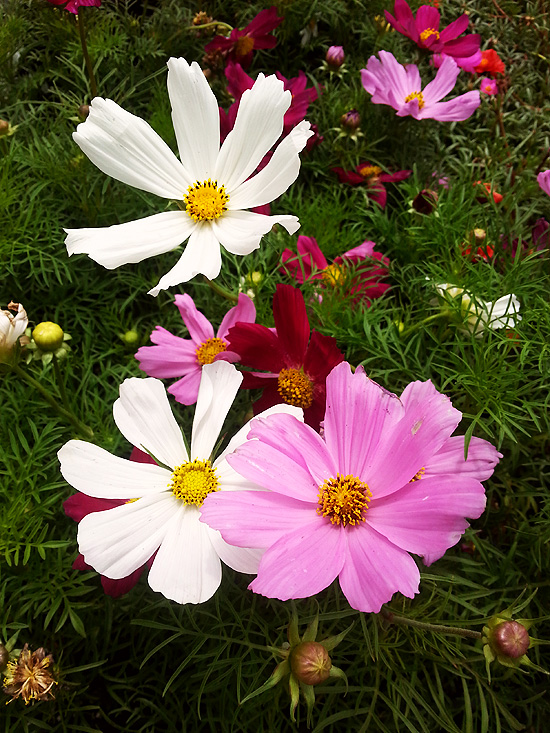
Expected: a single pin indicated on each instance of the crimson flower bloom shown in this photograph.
(79, 505)
(372, 176)
(241, 43)
(311, 264)
(296, 367)
(424, 31)
(490, 63)
(73, 5)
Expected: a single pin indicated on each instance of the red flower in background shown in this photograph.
(241, 43)
(295, 366)
(73, 5)
(490, 63)
(373, 177)
(79, 505)
(489, 191)
(311, 264)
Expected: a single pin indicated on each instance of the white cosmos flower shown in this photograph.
(162, 512)
(12, 327)
(213, 182)
(481, 314)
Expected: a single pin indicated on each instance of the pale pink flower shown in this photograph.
(173, 356)
(385, 480)
(400, 87)
(543, 179)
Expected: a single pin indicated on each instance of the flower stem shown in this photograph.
(85, 53)
(212, 24)
(435, 628)
(68, 415)
(61, 383)
(429, 319)
(227, 294)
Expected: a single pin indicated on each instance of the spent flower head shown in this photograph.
(31, 676)
(13, 323)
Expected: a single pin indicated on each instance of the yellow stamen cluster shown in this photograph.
(415, 95)
(193, 481)
(295, 388)
(344, 500)
(208, 350)
(244, 46)
(333, 275)
(205, 201)
(369, 171)
(418, 475)
(429, 32)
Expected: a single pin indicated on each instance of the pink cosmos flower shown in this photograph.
(424, 31)
(173, 356)
(401, 88)
(385, 480)
(73, 5)
(543, 179)
(241, 43)
(488, 86)
(373, 178)
(311, 264)
(295, 366)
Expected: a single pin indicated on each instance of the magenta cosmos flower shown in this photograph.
(424, 31)
(385, 480)
(173, 356)
(73, 5)
(373, 178)
(543, 179)
(241, 43)
(295, 366)
(311, 264)
(400, 87)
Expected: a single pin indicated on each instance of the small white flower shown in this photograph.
(12, 327)
(163, 501)
(480, 314)
(214, 183)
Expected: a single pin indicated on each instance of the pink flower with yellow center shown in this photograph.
(385, 480)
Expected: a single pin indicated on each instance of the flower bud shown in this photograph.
(130, 338)
(48, 336)
(310, 662)
(510, 639)
(425, 201)
(83, 111)
(335, 57)
(4, 127)
(350, 120)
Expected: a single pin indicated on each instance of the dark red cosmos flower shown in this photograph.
(490, 63)
(241, 43)
(371, 176)
(73, 5)
(79, 505)
(295, 367)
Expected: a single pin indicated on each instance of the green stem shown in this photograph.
(85, 53)
(214, 23)
(61, 383)
(429, 319)
(227, 294)
(435, 628)
(79, 426)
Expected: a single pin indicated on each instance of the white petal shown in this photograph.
(240, 232)
(241, 559)
(258, 126)
(96, 472)
(281, 171)
(143, 415)
(220, 383)
(202, 255)
(187, 568)
(118, 541)
(127, 148)
(132, 242)
(196, 117)
(503, 313)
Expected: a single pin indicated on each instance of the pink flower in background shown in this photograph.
(173, 356)
(241, 43)
(400, 87)
(73, 5)
(488, 86)
(311, 264)
(335, 57)
(373, 177)
(385, 480)
(468, 63)
(424, 31)
(543, 179)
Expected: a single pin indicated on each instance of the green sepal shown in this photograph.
(339, 674)
(279, 672)
(294, 689)
(309, 696)
(310, 633)
(333, 641)
(293, 635)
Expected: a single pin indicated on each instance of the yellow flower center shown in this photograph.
(205, 201)
(369, 171)
(344, 500)
(244, 46)
(418, 475)
(208, 350)
(429, 32)
(415, 95)
(333, 275)
(193, 481)
(295, 388)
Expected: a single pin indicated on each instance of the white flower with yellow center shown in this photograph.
(161, 515)
(212, 185)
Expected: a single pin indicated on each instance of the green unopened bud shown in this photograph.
(510, 639)
(130, 338)
(48, 336)
(310, 663)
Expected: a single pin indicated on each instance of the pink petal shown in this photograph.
(455, 110)
(186, 389)
(454, 29)
(427, 17)
(444, 82)
(360, 252)
(375, 569)
(117, 588)
(291, 322)
(172, 357)
(199, 327)
(303, 562)
(481, 461)
(308, 247)
(243, 312)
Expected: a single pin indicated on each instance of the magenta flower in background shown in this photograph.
(173, 356)
(385, 480)
(400, 87)
(424, 31)
(241, 43)
(73, 5)
(311, 264)
(373, 177)
(543, 179)
(488, 86)
(335, 57)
